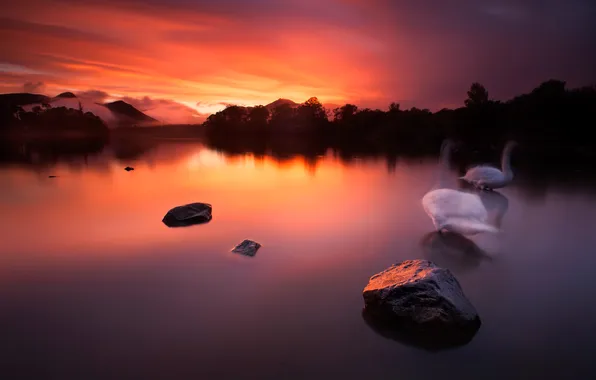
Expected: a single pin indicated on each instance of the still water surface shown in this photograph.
(94, 286)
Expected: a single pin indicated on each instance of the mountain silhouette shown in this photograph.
(66, 95)
(124, 113)
(273, 105)
(127, 111)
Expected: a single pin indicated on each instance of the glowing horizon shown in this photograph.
(194, 57)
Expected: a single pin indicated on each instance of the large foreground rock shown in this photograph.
(186, 215)
(417, 297)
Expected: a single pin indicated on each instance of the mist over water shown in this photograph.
(93, 285)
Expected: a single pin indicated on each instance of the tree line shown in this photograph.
(51, 122)
(550, 116)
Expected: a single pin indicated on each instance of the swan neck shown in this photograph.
(444, 161)
(506, 162)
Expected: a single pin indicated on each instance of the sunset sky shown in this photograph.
(204, 54)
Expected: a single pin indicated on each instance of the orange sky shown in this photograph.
(205, 53)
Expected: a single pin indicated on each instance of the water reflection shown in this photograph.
(453, 251)
(435, 341)
(87, 266)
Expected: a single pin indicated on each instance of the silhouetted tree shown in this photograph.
(345, 113)
(310, 115)
(258, 115)
(550, 89)
(315, 108)
(394, 107)
(282, 117)
(235, 115)
(257, 119)
(477, 95)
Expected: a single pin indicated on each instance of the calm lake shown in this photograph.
(94, 286)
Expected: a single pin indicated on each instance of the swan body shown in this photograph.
(496, 204)
(454, 210)
(488, 177)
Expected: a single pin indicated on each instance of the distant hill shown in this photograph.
(118, 113)
(22, 99)
(129, 112)
(66, 95)
(271, 106)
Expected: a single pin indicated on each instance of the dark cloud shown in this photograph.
(96, 96)
(206, 104)
(34, 87)
(9, 25)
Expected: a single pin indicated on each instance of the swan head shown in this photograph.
(510, 145)
(450, 145)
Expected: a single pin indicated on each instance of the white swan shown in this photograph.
(488, 177)
(496, 204)
(454, 210)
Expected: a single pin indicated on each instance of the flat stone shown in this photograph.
(418, 299)
(247, 248)
(186, 215)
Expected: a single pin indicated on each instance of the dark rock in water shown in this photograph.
(423, 301)
(52, 176)
(128, 168)
(247, 248)
(186, 215)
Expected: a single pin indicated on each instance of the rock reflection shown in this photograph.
(452, 251)
(425, 340)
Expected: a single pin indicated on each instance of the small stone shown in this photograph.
(128, 168)
(52, 176)
(186, 215)
(247, 248)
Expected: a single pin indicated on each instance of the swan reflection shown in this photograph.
(453, 251)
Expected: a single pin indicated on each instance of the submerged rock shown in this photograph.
(186, 215)
(247, 248)
(421, 300)
(128, 168)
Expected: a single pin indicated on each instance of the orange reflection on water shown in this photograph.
(111, 212)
